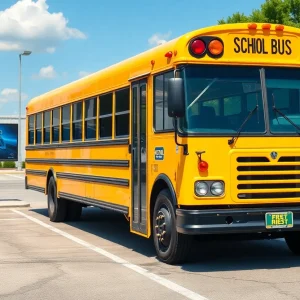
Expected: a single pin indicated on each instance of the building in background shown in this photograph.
(14, 120)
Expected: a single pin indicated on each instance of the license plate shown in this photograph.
(279, 220)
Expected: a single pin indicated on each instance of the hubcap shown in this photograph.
(163, 227)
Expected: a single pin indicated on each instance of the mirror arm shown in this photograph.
(185, 146)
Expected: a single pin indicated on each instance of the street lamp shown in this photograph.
(25, 53)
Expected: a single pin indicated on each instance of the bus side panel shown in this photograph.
(97, 172)
(36, 181)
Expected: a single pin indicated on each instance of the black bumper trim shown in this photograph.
(247, 220)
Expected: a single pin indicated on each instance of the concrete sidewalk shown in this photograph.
(11, 171)
(13, 203)
(6, 200)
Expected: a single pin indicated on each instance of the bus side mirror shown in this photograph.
(176, 101)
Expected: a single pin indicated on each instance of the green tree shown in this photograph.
(286, 12)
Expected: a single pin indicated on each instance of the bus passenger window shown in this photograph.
(46, 127)
(90, 119)
(77, 121)
(122, 113)
(66, 123)
(31, 130)
(55, 125)
(38, 130)
(105, 116)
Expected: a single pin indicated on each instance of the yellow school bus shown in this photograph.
(198, 136)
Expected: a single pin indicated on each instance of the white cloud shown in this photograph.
(9, 95)
(83, 74)
(28, 25)
(158, 39)
(46, 73)
(50, 50)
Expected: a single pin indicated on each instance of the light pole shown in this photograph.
(25, 53)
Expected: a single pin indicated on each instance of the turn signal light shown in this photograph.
(215, 47)
(202, 166)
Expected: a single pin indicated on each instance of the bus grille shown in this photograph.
(262, 178)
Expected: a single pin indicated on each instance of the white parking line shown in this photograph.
(16, 176)
(162, 281)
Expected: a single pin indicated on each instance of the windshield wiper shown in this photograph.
(234, 138)
(283, 115)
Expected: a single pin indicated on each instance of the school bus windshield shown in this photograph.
(220, 98)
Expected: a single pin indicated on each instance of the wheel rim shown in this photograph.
(163, 228)
(51, 199)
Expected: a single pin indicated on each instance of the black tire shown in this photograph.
(74, 210)
(293, 241)
(57, 208)
(174, 247)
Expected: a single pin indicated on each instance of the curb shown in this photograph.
(8, 171)
(12, 203)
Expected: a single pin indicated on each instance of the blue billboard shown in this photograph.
(8, 142)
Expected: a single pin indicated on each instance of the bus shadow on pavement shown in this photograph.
(205, 256)
(236, 255)
(110, 226)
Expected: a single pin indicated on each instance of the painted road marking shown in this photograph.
(162, 281)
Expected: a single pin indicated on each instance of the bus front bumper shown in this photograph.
(232, 221)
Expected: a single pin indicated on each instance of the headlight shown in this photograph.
(217, 188)
(201, 188)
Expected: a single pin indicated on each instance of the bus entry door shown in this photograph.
(139, 157)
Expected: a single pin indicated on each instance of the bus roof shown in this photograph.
(244, 43)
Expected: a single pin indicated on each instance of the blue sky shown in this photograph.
(69, 39)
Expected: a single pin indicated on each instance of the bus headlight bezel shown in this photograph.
(208, 185)
(221, 188)
(204, 186)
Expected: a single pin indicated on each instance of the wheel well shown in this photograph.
(49, 175)
(159, 185)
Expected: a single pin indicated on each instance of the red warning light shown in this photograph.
(169, 54)
(198, 47)
(202, 166)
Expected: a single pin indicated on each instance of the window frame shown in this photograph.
(80, 121)
(31, 130)
(111, 115)
(55, 126)
(123, 112)
(49, 126)
(65, 123)
(95, 98)
(39, 128)
(154, 103)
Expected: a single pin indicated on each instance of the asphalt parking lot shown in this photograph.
(97, 258)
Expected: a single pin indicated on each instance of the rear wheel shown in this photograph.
(74, 210)
(171, 247)
(56, 207)
(293, 241)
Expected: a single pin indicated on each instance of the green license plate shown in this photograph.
(279, 220)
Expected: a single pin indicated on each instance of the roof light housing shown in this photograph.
(252, 26)
(206, 45)
(279, 27)
(266, 26)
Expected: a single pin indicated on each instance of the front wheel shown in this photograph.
(171, 247)
(293, 241)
